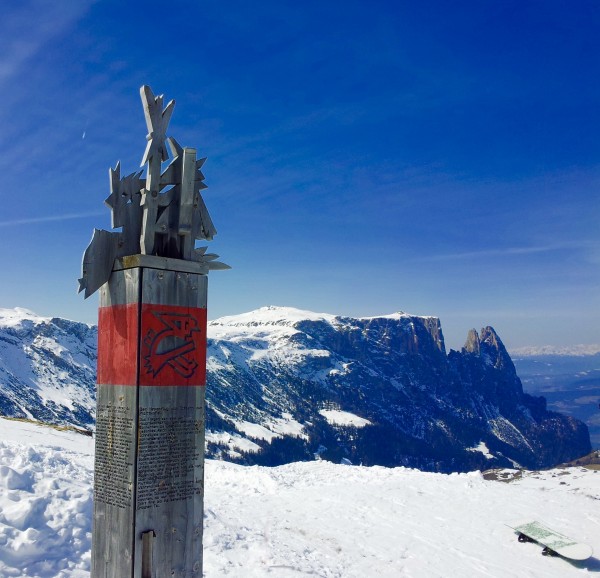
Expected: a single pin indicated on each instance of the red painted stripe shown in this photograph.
(173, 345)
(117, 344)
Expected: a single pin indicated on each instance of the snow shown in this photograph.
(272, 428)
(45, 501)
(259, 336)
(343, 418)
(263, 323)
(15, 317)
(255, 431)
(232, 442)
(482, 447)
(272, 322)
(46, 358)
(287, 425)
(303, 519)
(507, 432)
(398, 315)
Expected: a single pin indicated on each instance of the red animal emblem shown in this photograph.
(173, 345)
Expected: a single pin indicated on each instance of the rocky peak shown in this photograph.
(486, 368)
(472, 345)
(492, 346)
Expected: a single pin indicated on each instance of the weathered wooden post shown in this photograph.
(149, 465)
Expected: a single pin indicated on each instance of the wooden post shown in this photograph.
(149, 484)
(149, 465)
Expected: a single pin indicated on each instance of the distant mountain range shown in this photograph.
(566, 351)
(287, 385)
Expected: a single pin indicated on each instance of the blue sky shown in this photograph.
(363, 157)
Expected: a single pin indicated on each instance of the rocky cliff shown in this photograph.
(375, 391)
(286, 385)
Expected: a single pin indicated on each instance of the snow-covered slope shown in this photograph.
(45, 501)
(303, 519)
(47, 368)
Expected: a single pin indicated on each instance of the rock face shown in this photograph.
(287, 385)
(521, 428)
(305, 375)
(47, 368)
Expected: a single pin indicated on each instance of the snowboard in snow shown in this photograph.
(553, 542)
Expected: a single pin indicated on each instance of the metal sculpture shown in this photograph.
(161, 215)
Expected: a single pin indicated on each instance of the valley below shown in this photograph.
(570, 384)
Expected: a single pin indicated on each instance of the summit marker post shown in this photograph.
(150, 419)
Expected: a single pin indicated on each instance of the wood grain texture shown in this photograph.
(150, 438)
(116, 444)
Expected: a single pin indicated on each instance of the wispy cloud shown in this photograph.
(28, 26)
(501, 252)
(50, 218)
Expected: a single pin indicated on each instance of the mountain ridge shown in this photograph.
(579, 350)
(286, 385)
(329, 359)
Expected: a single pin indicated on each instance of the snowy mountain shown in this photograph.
(287, 385)
(565, 351)
(378, 390)
(47, 368)
(304, 519)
